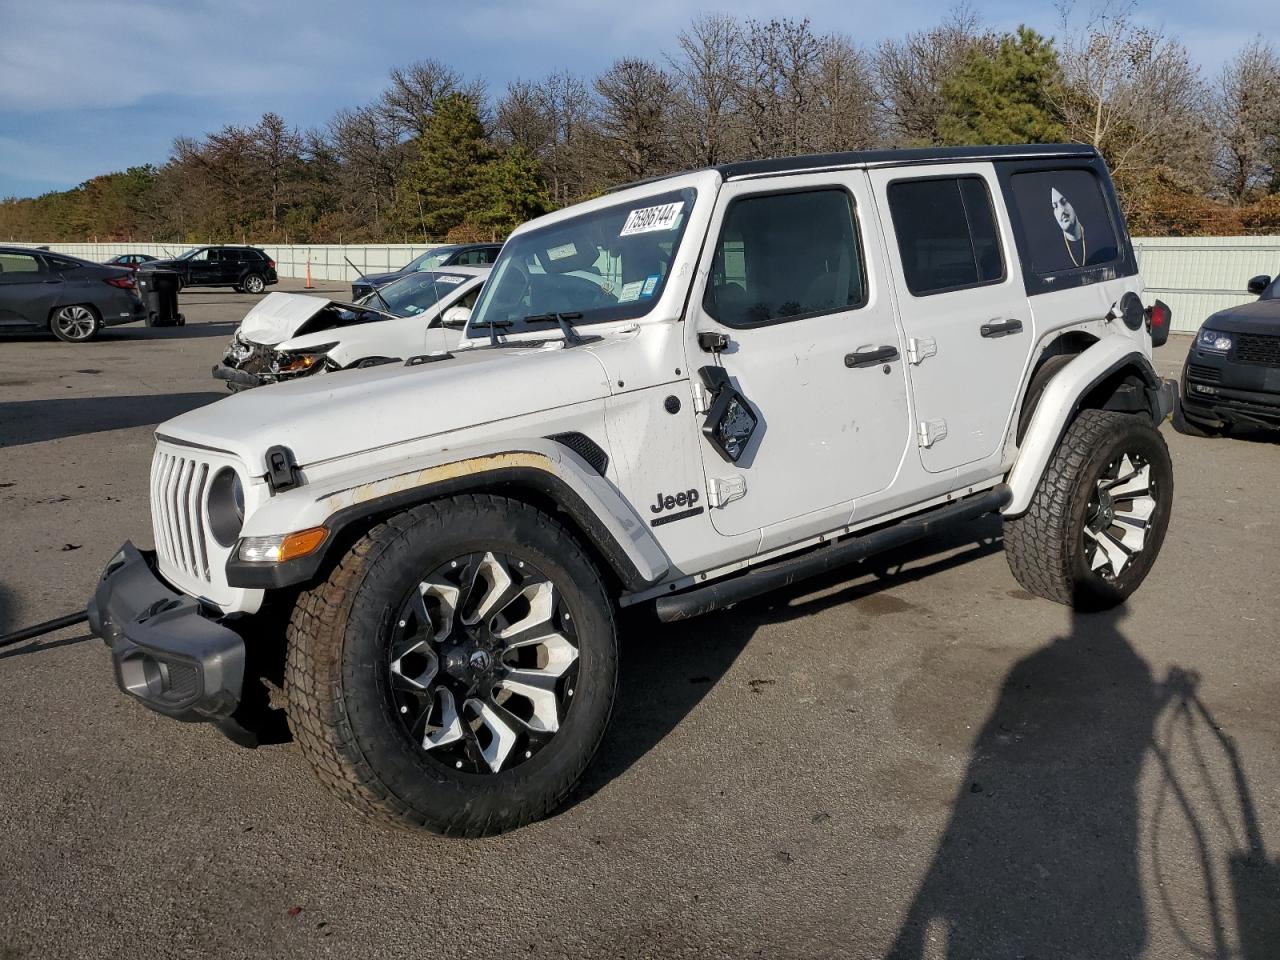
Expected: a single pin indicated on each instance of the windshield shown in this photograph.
(190, 253)
(609, 264)
(415, 294)
(431, 259)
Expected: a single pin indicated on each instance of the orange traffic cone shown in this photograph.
(309, 285)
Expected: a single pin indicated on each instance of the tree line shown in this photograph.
(437, 157)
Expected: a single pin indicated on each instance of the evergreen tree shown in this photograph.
(445, 180)
(1005, 95)
(514, 191)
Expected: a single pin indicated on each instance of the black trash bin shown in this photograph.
(159, 289)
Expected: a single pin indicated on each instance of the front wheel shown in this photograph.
(1099, 515)
(457, 669)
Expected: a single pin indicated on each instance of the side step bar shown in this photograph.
(783, 573)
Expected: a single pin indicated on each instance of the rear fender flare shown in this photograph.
(1065, 394)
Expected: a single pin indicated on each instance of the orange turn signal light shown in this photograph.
(301, 543)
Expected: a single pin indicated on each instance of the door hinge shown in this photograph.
(920, 347)
(931, 431)
(722, 490)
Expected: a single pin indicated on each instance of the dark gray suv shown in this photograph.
(71, 297)
(246, 269)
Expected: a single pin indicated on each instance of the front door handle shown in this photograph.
(869, 358)
(1001, 328)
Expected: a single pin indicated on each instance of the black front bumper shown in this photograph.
(1220, 390)
(236, 379)
(166, 650)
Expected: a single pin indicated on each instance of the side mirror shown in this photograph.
(1259, 284)
(456, 317)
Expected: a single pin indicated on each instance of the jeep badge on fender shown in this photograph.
(451, 660)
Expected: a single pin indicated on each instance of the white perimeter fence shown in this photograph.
(1196, 276)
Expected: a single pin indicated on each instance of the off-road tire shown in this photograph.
(1045, 546)
(335, 675)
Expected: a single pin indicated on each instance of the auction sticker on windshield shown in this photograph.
(440, 279)
(648, 219)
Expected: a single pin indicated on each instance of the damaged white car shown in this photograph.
(291, 335)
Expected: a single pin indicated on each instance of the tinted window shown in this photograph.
(786, 255)
(18, 267)
(1064, 220)
(946, 234)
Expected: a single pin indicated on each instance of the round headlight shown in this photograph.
(225, 506)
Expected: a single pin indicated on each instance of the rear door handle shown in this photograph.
(1001, 328)
(869, 358)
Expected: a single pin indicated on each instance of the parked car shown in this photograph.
(681, 394)
(131, 260)
(72, 298)
(1232, 372)
(291, 335)
(448, 255)
(246, 269)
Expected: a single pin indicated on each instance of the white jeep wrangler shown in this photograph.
(684, 393)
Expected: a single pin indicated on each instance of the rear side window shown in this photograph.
(784, 256)
(1064, 220)
(947, 236)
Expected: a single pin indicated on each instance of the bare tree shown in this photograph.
(844, 116)
(407, 103)
(634, 117)
(369, 153)
(1134, 94)
(277, 153)
(707, 73)
(778, 91)
(1246, 124)
(909, 75)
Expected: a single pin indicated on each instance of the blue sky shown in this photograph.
(87, 87)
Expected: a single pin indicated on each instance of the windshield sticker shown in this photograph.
(650, 284)
(450, 279)
(649, 219)
(562, 251)
(630, 291)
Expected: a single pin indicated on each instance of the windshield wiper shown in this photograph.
(493, 326)
(571, 336)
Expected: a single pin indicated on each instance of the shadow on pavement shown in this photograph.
(1041, 857)
(35, 421)
(665, 670)
(196, 331)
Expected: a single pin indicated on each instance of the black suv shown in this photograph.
(1232, 374)
(446, 255)
(247, 269)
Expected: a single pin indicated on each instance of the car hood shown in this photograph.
(349, 412)
(158, 264)
(1261, 316)
(282, 316)
(378, 279)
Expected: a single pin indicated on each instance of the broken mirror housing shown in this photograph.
(730, 423)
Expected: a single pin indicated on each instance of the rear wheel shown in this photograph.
(1099, 516)
(457, 669)
(253, 283)
(76, 323)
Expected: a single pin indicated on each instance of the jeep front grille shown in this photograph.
(1258, 348)
(179, 486)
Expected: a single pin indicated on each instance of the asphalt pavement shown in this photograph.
(914, 758)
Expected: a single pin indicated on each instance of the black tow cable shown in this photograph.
(27, 633)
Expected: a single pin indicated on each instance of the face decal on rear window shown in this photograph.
(1074, 231)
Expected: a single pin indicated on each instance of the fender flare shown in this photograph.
(604, 516)
(1061, 399)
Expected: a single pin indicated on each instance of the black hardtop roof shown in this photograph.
(884, 158)
(907, 157)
